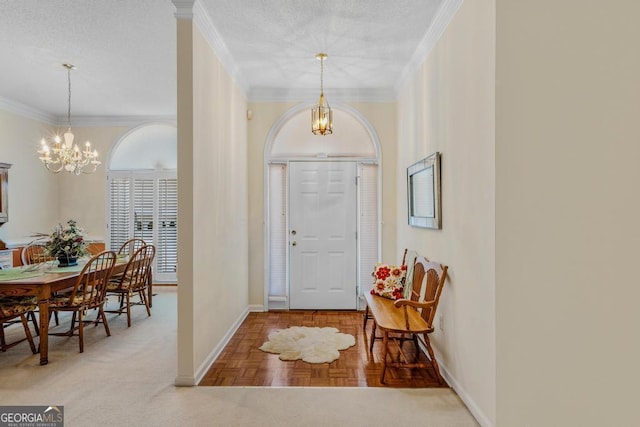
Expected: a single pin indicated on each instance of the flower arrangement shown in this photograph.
(66, 240)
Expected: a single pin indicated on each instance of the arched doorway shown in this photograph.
(142, 194)
(290, 143)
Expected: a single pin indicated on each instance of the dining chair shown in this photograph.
(35, 253)
(12, 308)
(88, 292)
(131, 245)
(133, 281)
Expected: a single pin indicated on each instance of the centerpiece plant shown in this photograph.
(67, 243)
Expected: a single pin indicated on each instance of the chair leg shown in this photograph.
(433, 359)
(415, 343)
(385, 342)
(80, 329)
(366, 317)
(129, 309)
(144, 299)
(3, 343)
(104, 320)
(32, 316)
(373, 336)
(73, 321)
(27, 332)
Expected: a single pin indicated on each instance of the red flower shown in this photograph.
(403, 267)
(380, 285)
(396, 272)
(383, 272)
(397, 293)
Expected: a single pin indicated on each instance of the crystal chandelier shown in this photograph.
(321, 114)
(58, 156)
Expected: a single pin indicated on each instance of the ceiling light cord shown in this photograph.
(69, 100)
(321, 76)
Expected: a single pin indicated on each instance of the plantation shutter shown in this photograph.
(167, 256)
(368, 224)
(278, 232)
(119, 210)
(143, 209)
(145, 205)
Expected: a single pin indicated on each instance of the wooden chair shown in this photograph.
(88, 292)
(131, 246)
(133, 281)
(12, 308)
(411, 317)
(35, 253)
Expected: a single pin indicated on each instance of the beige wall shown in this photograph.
(33, 191)
(212, 174)
(265, 115)
(448, 107)
(84, 197)
(38, 198)
(567, 213)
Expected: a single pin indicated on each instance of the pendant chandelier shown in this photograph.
(58, 156)
(321, 114)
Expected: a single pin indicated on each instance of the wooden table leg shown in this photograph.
(43, 308)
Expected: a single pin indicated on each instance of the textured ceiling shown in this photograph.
(125, 49)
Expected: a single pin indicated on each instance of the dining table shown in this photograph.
(42, 281)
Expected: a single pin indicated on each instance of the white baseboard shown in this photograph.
(471, 405)
(468, 401)
(206, 365)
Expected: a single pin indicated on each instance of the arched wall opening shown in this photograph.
(290, 140)
(142, 194)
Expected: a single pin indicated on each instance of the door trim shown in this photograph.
(278, 302)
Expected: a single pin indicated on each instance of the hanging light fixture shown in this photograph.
(321, 114)
(58, 156)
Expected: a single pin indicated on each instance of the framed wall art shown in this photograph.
(423, 193)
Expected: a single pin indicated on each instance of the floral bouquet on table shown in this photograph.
(66, 242)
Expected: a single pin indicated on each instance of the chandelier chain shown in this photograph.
(69, 99)
(321, 76)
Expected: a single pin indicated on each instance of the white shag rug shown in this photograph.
(312, 345)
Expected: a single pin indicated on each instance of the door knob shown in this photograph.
(294, 243)
(293, 232)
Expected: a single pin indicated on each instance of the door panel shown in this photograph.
(322, 239)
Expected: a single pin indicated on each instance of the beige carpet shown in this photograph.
(127, 380)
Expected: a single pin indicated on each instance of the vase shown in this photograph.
(67, 260)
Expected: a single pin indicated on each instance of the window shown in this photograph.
(145, 205)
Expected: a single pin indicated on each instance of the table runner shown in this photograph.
(17, 274)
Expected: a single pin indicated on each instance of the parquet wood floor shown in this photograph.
(242, 363)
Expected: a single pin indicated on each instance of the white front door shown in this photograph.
(322, 235)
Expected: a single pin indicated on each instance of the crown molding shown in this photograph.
(27, 111)
(195, 11)
(441, 21)
(203, 21)
(268, 94)
(184, 9)
(115, 121)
